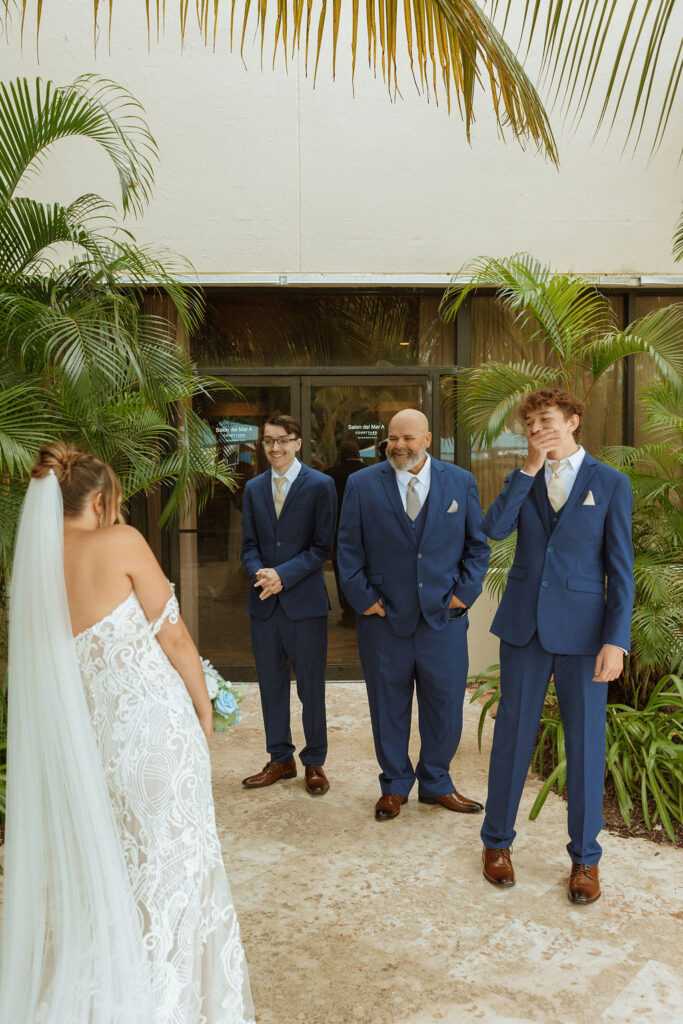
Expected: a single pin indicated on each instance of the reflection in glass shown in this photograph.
(276, 327)
(356, 412)
(495, 338)
(222, 584)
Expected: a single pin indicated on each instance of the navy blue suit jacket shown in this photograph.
(572, 584)
(379, 556)
(296, 545)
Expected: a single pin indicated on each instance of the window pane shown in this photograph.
(644, 371)
(495, 338)
(272, 328)
(214, 581)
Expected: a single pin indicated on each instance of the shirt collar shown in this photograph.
(291, 474)
(574, 460)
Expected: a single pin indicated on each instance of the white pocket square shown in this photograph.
(453, 507)
(589, 499)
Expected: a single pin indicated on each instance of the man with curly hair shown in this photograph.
(565, 614)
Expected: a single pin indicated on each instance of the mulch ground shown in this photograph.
(613, 820)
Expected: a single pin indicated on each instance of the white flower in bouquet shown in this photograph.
(225, 699)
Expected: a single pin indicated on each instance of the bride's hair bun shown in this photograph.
(60, 458)
(80, 475)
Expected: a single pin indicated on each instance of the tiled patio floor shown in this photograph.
(346, 920)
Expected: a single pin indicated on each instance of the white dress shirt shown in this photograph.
(570, 471)
(289, 477)
(424, 479)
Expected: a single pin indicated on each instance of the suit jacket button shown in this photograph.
(278, 543)
(419, 584)
(550, 551)
(419, 555)
(545, 583)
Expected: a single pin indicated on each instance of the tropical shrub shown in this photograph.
(644, 748)
(82, 357)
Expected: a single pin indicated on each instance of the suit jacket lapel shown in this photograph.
(578, 491)
(293, 489)
(391, 487)
(266, 495)
(540, 493)
(435, 490)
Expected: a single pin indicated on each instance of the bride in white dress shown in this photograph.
(117, 906)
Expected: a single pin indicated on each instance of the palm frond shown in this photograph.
(678, 241)
(579, 39)
(657, 335)
(35, 116)
(487, 395)
(453, 44)
(28, 229)
(559, 309)
(502, 555)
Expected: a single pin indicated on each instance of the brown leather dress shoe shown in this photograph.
(498, 867)
(270, 773)
(584, 884)
(316, 780)
(454, 802)
(389, 806)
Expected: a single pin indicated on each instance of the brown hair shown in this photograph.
(80, 475)
(544, 397)
(287, 423)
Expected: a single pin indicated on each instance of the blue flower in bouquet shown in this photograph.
(226, 705)
(225, 700)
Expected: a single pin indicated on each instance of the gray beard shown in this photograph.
(413, 461)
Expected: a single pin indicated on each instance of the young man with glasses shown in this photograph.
(288, 521)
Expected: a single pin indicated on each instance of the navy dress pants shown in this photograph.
(278, 644)
(525, 673)
(434, 664)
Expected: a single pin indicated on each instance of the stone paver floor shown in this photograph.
(349, 921)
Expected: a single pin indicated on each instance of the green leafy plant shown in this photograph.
(85, 354)
(88, 319)
(644, 748)
(576, 327)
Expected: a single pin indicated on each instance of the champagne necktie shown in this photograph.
(279, 496)
(557, 492)
(413, 503)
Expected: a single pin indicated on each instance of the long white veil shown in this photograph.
(72, 941)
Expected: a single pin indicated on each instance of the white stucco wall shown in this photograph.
(261, 174)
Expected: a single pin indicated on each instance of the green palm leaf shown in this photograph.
(658, 335)
(28, 228)
(560, 309)
(579, 39)
(487, 395)
(34, 117)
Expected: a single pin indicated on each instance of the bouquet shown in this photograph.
(225, 699)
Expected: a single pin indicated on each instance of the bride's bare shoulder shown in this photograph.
(122, 539)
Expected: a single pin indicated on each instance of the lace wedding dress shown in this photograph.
(157, 769)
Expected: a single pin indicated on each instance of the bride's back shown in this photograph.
(95, 571)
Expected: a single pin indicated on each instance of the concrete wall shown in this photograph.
(260, 173)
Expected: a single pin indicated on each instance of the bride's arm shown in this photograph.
(153, 591)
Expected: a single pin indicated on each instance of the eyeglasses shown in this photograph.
(283, 442)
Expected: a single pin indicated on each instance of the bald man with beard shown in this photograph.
(412, 557)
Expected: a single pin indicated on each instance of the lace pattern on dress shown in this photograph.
(170, 612)
(157, 767)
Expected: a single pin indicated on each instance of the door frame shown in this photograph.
(302, 378)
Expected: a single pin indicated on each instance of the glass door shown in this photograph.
(357, 409)
(214, 584)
